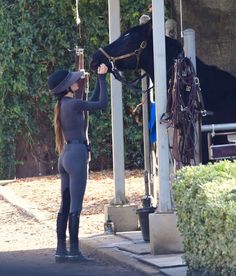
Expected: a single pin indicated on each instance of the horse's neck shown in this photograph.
(173, 49)
(147, 63)
(149, 69)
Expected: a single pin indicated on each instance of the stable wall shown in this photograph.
(214, 22)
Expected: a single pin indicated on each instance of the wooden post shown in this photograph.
(117, 112)
(79, 63)
(165, 204)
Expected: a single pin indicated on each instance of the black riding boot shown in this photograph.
(61, 255)
(75, 255)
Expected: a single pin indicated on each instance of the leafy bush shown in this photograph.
(33, 43)
(205, 198)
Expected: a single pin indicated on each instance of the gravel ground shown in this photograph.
(27, 246)
(44, 193)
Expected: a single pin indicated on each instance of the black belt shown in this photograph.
(79, 142)
(75, 142)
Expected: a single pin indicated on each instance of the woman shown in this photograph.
(71, 144)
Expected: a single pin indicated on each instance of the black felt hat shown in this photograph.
(61, 80)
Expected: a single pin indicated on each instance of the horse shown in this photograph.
(134, 50)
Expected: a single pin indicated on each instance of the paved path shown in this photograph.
(27, 248)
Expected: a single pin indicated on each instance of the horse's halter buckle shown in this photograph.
(143, 45)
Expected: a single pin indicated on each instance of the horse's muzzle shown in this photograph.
(97, 59)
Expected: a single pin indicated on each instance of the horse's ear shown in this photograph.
(146, 26)
(146, 21)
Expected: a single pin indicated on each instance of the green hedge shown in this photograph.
(205, 198)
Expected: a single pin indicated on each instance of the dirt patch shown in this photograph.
(44, 192)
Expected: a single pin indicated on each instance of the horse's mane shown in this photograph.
(132, 30)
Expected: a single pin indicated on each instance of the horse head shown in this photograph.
(128, 52)
(134, 50)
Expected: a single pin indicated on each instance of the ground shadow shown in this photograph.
(41, 263)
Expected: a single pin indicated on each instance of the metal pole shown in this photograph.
(189, 45)
(146, 139)
(218, 127)
(116, 110)
(161, 101)
(190, 52)
(181, 17)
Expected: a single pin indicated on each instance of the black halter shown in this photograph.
(136, 53)
(116, 72)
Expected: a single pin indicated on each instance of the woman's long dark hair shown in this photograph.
(57, 127)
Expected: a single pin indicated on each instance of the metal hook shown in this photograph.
(213, 130)
(196, 79)
(112, 65)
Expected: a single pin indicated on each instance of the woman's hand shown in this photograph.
(102, 69)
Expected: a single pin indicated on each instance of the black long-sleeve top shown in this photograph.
(72, 110)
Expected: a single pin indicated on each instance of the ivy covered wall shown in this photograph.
(36, 38)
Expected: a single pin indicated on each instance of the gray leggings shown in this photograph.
(73, 169)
